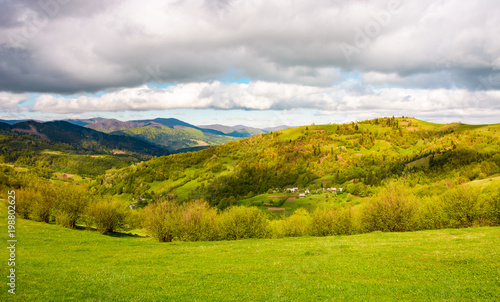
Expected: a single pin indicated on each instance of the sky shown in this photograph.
(253, 62)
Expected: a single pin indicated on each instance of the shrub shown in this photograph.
(70, 205)
(297, 224)
(394, 209)
(490, 204)
(462, 206)
(199, 222)
(432, 215)
(107, 215)
(276, 229)
(24, 199)
(240, 222)
(162, 220)
(331, 222)
(43, 203)
(134, 219)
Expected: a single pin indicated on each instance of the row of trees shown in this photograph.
(69, 205)
(394, 209)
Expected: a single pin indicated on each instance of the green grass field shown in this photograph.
(58, 264)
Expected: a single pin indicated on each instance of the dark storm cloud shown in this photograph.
(57, 46)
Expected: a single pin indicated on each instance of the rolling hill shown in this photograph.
(359, 157)
(171, 133)
(175, 139)
(236, 131)
(88, 139)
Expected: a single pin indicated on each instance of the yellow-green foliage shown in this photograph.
(462, 206)
(199, 222)
(276, 229)
(297, 224)
(107, 215)
(394, 209)
(491, 203)
(163, 220)
(327, 222)
(70, 204)
(239, 222)
(24, 200)
(43, 203)
(431, 214)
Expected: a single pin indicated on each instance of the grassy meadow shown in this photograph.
(60, 264)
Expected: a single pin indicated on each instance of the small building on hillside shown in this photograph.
(302, 195)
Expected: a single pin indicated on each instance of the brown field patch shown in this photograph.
(291, 199)
(324, 181)
(66, 175)
(317, 130)
(358, 154)
(275, 209)
(279, 196)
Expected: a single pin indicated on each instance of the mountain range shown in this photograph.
(160, 135)
(62, 132)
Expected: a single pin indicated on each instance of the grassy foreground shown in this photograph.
(58, 264)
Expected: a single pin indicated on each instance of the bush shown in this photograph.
(491, 201)
(297, 224)
(43, 203)
(331, 222)
(162, 220)
(240, 222)
(276, 229)
(462, 206)
(106, 215)
(24, 199)
(199, 222)
(71, 203)
(394, 209)
(432, 215)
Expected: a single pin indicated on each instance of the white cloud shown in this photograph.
(290, 98)
(9, 102)
(252, 96)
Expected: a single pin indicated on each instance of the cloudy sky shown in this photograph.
(254, 62)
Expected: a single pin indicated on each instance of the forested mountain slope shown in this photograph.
(357, 156)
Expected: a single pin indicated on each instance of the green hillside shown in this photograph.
(59, 264)
(358, 157)
(175, 139)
